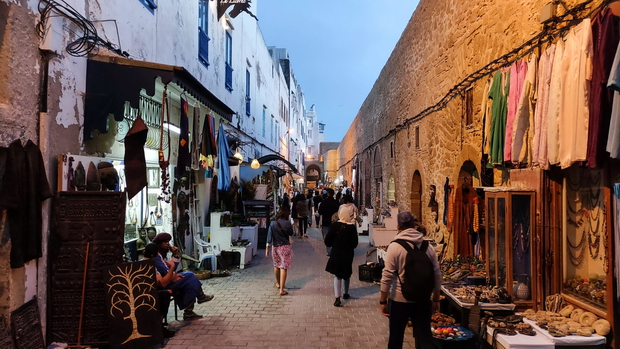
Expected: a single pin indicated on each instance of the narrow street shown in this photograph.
(248, 312)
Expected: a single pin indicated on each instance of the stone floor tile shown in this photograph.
(248, 312)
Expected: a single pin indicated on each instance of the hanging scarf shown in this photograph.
(223, 170)
(183, 158)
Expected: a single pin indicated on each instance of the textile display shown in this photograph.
(223, 153)
(605, 42)
(135, 160)
(132, 301)
(23, 189)
(208, 148)
(183, 156)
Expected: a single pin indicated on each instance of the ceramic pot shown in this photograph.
(523, 292)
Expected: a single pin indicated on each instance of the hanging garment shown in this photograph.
(555, 100)
(183, 157)
(196, 139)
(446, 200)
(223, 171)
(485, 106)
(135, 161)
(523, 126)
(574, 110)
(25, 177)
(613, 137)
(605, 42)
(539, 143)
(518, 70)
(499, 94)
(208, 149)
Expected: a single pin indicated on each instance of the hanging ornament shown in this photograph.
(476, 218)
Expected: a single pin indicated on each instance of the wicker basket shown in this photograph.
(203, 274)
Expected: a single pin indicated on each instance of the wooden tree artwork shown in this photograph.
(133, 304)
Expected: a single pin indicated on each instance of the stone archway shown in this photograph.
(416, 195)
(313, 175)
(464, 236)
(367, 176)
(377, 172)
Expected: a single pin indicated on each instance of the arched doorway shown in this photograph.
(391, 189)
(313, 175)
(377, 174)
(416, 195)
(465, 193)
(367, 177)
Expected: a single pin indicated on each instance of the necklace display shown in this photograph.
(585, 216)
(165, 194)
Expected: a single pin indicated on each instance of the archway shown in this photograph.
(313, 175)
(367, 176)
(416, 195)
(391, 189)
(464, 236)
(377, 174)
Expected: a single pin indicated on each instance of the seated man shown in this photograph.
(150, 252)
(185, 286)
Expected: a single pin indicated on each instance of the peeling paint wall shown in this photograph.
(443, 43)
(42, 93)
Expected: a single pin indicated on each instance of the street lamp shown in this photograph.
(255, 164)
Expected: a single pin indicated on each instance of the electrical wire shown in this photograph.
(87, 38)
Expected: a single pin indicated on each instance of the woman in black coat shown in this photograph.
(342, 238)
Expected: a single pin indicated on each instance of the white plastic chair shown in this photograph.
(207, 250)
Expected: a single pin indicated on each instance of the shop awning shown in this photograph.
(110, 81)
(276, 157)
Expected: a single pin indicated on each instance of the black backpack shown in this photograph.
(419, 280)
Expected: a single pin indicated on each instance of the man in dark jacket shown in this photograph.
(316, 201)
(327, 209)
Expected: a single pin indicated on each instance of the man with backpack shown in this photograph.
(412, 280)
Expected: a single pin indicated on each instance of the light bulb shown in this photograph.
(238, 156)
(255, 164)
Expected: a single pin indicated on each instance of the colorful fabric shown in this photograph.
(539, 143)
(523, 126)
(282, 257)
(574, 112)
(605, 42)
(223, 170)
(555, 99)
(183, 157)
(518, 70)
(499, 94)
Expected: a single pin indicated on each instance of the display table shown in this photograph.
(519, 341)
(250, 233)
(570, 341)
(380, 236)
(245, 254)
(460, 310)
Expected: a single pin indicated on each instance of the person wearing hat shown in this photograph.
(186, 287)
(400, 309)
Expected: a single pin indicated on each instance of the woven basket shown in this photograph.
(203, 274)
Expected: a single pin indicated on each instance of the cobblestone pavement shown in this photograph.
(248, 311)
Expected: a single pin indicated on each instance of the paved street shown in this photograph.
(248, 311)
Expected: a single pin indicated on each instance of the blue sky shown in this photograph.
(337, 49)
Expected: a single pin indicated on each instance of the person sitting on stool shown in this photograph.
(186, 289)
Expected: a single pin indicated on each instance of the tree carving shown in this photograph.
(131, 290)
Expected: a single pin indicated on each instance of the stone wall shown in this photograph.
(444, 42)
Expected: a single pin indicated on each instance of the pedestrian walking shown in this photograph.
(316, 200)
(327, 209)
(302, 215)
(397, 287)
(279, 237)
(342, 238)
(293, 211)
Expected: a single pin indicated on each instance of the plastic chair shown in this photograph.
(207, 250)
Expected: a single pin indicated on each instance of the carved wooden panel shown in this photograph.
(6, 340)
(27, 326)
(96, 218)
